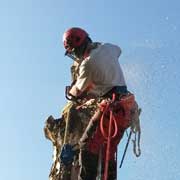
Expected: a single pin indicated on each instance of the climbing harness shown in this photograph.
(134, 125)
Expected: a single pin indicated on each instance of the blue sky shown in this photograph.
(34, 72)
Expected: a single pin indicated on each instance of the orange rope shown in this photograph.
(112, 121)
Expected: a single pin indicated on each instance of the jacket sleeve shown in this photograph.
(117, 50)
(84, 78)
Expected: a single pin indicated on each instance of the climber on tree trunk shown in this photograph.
(100, 76)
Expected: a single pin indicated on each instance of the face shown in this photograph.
(72, 56)
(75, 55)
(75, 51)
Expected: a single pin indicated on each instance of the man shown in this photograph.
(99, 76)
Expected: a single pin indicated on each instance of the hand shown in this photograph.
(70, 96)
(74, 91)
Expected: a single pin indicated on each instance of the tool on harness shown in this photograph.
(122, 160)
(67, 154)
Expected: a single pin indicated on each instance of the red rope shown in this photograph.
(112, 121)
(104, 133)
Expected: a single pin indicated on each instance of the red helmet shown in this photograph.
(73, 38)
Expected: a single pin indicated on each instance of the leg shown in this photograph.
(88, 160)
(91, 128)
(111, 170)
(88, 166)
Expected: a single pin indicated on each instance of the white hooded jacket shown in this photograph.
(101, 70)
